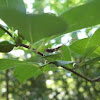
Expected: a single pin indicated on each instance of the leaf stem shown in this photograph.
(28, 47)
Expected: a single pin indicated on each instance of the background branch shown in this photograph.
(7, 84)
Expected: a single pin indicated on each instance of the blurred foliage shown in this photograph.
(58, 6)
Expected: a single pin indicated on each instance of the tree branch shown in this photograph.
(87, 79)
(79, 75)
(76, 73)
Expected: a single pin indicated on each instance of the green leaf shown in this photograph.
(97, 50)
(25, 71)
(82, 16)
(62, 63)
(1, 32)
(46, 25)
(49, 67)
(53, 56)
(29, 25)
(9, 63)
(33, 27)
(79, 46)
(6, 46)
(37, 73)
(14, 4)
(93, 43)
(65, 52)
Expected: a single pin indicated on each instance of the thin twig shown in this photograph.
(5, 30)
(83, 77)
(76, 73)
(26, 46)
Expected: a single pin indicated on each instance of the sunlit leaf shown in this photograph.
(1, 32)
(82, 16)
(93, 43)
(97, 50)
(65, 52)
(79, 46)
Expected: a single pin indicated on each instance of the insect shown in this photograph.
(51, 50)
